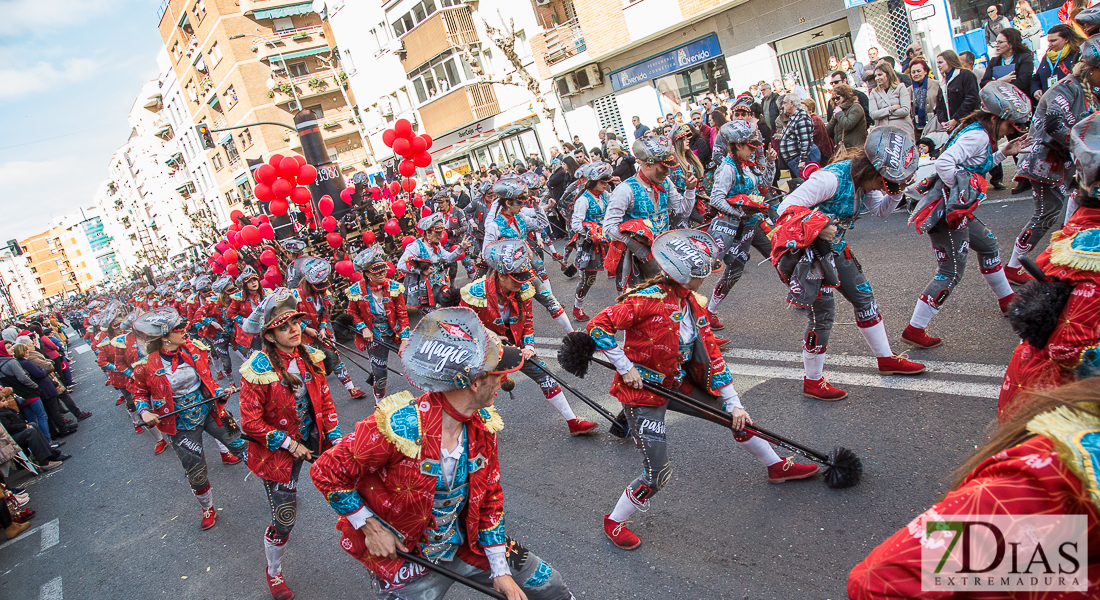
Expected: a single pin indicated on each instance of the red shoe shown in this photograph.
(619, 534)
(1018, 275)
(138, 429)
(220, 375)
(919, 337)
(229, 459)
(278, 587)
(896, 365)
(578, 314)
(1004, 302)
(787, 470)
(120, 400)
(581, 427)
(715, 324)
(820, 389)
(209, 515)
(160, 447)
(722, 342)
(357, 393)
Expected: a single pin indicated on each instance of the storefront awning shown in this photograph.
(213, 100)
(299, 54)
(225, 139)
(241, 179)
(283, 11)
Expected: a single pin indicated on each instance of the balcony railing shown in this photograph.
(459, 107)
(447, 28)
(308, 85)
(290, 40)
(564, 41)
(351, 160)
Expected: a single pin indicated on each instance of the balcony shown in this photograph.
(333, 125)
(288, 43)
(295, 6)
(351, 160)
(305, 86)
(447, 28)
(564, 41)
(458, 107)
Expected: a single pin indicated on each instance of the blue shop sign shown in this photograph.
(673, 61)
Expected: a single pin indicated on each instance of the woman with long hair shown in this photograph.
(959, 92)
(376, 304)
(249, 295)
(952, 228)
(818, 214)
(175, 375)
(1063, 50)
(1029, 26)
(288, 416)
(890, 101)
(847, 121)
(585, 225)
(316, 307)
(214, 323)
(687, 162)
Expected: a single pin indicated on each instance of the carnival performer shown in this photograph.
(669, 341)
(1071, 327)
(422, 475)
(1042, 462)
(454, 223)
(476, 211)
(287, 412)
(125, 355)
(248, 296)
(947, 215)
(184, 300)
(175, 374)
(109, 360)
(512, 220)
(424, 262)
(211, 322)
(738, 195)
(687, 161)
(377, 308)
(831, 197)
(587, 229)
(1046, 162)
(641, 208)
(315, 303)
(502, 300)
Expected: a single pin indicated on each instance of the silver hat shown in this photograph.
(1006, 101)
(1089, 20)
(221, 283)
(738, 132)
(430, 221)
(1090, 50)
(369, 256)
(1084, 143)
(128, 322)
(685, 254)
(292, 245)
(277, 308)
(312, 269)
(246, 273)
(449, 349)
(509, 257)
(203, 283)
(892, 152)
(654, 149)
(598, 170)
(510, 187)
(159, 322)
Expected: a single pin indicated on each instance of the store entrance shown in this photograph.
(811, 65)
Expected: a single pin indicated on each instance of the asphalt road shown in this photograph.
(118, 522)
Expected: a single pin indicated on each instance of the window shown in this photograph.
(333, 153)
(230, 149)
(232, 198)
(246, 138)
(437, 77)
(245, 190)
(218, 163)
(317, 111)
(284, 24)
(215, 54)
(230, 96)
(298, 69)
(199, 10)
(176, 51)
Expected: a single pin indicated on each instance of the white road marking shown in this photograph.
(52, 526)
(82, 349)
(51, 590)
(934, 366)
(51, 535)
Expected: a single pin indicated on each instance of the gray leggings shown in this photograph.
(737, 256)
(538, 579)
(1049, 200)
(188, 446)
(379, 359)
(544, 295)
(951, 247)
(220, 344)
(283, 500)
(546, 383)
(855, 288)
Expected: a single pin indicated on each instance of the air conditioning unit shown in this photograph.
(588, 77)
(567, 86)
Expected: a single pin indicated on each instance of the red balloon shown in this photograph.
(235, 216)
(422, 160)
(266, 174)
(266, 230)
(281, 188)
(278, 207)
(300, 195)
(263, 192)
(394, 187)
(368, 237)
(307, 174)
(443, 240)
(301, 160)
(275, 161)
(392, 227)
(217, 269)
(407, 168)
(398, 208)
(356, 277)
(273, 275)
(376, 192)
(254, 220)
(288, 167)
(325, 205)
(268, 258)
(265, 219)
(251, 235)
(230, 256)
(267, 284)
(222, 246)
(417, 145)
(403, 128)
(334, 239)
(401, 147)
(344, 268)
(405, 241)
(418, 202)
(329, 223)
(427, 211)
(233, 270)
(409, 184)
(427, 141)
(388, 137)
(346, 194)
(218, 258)
(234, 227)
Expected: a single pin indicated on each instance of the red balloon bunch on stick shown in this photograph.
(282, 181)
(409, 146)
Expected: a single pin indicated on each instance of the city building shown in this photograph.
(17, 288)
(60, 262)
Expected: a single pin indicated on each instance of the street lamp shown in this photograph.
(271, 84)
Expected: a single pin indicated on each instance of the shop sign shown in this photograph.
(673, 61)
(923, 12)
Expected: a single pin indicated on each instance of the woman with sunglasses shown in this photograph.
(377, 308)
(424, 262)
(315, 302)
(175, 375)
(969, 154)
(738, 195)
(873, 176)
(588, 235)
(245, 300)
(287, 412)
(213, 323)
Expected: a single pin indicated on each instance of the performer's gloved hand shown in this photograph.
(508, 586)
(380, 541)
(633, 378)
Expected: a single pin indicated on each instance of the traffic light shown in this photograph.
(203, 131)
(14, 248)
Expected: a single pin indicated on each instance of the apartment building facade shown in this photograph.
(61, 264)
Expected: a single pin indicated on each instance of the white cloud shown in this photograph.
(44, 76)
(23, 17)
(33, 192)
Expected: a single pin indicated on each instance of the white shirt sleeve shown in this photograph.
(492, 232)
(729, 397)
(619, 359)
(967, 151)
(621, 200)
(410, 252)
(679, 204)
(359, 518)
(821, 186)
(498, 563)
(880, 204)
(580, 208)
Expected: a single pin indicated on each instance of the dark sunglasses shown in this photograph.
(514, 202)
(377, 268)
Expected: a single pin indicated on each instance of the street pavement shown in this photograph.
(118, 522)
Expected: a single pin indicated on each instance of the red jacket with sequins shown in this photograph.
(310, 317)
(393, 299)
(481, 297)
(112, 359)
(210, 311)
(151, 384)
(239, 310)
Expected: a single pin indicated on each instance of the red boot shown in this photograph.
(581, 427)
(619, 534)
(220, 375)
(278, 587)
(715, 324)
(820, 389)
(578, 314)
(120, 400)
(919, 337)
(1004, 302)
(896, 365)
(160, 447)
(722, 342)
(786, 470)
(229, 459)
(357, 393)
(138, 429)
(1018, 275)
(209, 515)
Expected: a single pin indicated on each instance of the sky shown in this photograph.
(69, 73)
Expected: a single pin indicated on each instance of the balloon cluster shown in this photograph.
(246, 233)
(282, 181)
(412, 148)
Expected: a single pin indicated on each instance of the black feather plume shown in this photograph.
(451, 297)
(575, 353)
(344, 328)
(1035, 311)
(846, 469)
